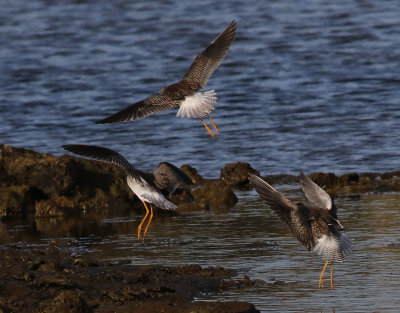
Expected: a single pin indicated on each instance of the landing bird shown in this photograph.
(185, 93)
(314, 223)
(147, 187)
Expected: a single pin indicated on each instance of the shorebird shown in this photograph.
(314, 223)
(185, 93)
(147, 187)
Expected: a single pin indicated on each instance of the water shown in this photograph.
(250, 239)
(309, 85)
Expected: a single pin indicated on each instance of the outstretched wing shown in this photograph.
(315, 194)
(142, 109)
(208, 60)
(281, 206)
(104, 155)
(297, 217)
(169, 177)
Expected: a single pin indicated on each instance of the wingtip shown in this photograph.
(302, 176)
(103, 121)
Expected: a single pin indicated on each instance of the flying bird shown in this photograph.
(147, 187)
(314, 223)
(185, 94)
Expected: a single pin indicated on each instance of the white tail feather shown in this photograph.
(198, 105)
(333, 248)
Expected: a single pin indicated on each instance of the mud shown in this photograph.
(53, 280)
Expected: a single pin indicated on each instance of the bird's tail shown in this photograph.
(198, 105)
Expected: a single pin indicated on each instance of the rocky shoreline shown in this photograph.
(53, 280)
(49, 186)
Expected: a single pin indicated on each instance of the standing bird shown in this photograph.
(147, 186)
(185, 93)
(314, 223)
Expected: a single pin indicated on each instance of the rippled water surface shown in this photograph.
(306, 84)
(250, 239)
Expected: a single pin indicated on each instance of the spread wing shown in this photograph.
(281, 206)
(297, 217)
(315, 194)
(208, 60)
(104, 155)
(169, 177)
(142, 109)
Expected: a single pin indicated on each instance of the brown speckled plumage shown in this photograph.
(195, 79)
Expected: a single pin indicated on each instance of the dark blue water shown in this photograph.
(308, 84)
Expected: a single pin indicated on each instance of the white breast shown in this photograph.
(147, 193)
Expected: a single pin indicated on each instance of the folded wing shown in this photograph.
(169, 177)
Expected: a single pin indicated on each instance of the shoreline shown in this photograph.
(48, 186)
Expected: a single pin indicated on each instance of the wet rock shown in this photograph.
(192, 173)
(50, 186)
(235, 174)
(67, 302)
(36, 281)
(214, 195)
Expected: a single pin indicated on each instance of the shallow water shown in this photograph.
(310, 84)
(250, 239)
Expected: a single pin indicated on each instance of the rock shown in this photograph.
(192, 173)
(32, 283)
(235, 174)
(214, 195)
(67, 302)
(48, 186)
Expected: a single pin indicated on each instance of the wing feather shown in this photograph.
(209, 59)
(315, 194)
(168, 177)
(141, 109)
(281, 206)
(104, 155)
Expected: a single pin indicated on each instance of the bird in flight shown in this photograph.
(148, 187)
(314, 223)
(185, 94)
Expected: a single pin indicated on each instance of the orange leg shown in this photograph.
(321, 278)
(208, 129)
(148, 224)
(144, 218)
(332, 286)
(212, 122)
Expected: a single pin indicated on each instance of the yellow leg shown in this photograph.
(332, 286)
(208, 129)
(141, 223)
(212, 122)
(148, 224)
(321, 278)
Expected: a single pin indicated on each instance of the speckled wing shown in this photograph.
(169, 177)
(208, 60)
(104, 155)
(295, 216)
(315, 194)
(281, 206)
(144, 108)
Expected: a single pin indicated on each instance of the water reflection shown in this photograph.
(250, 239)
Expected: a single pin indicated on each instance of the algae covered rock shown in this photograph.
(235, 174)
